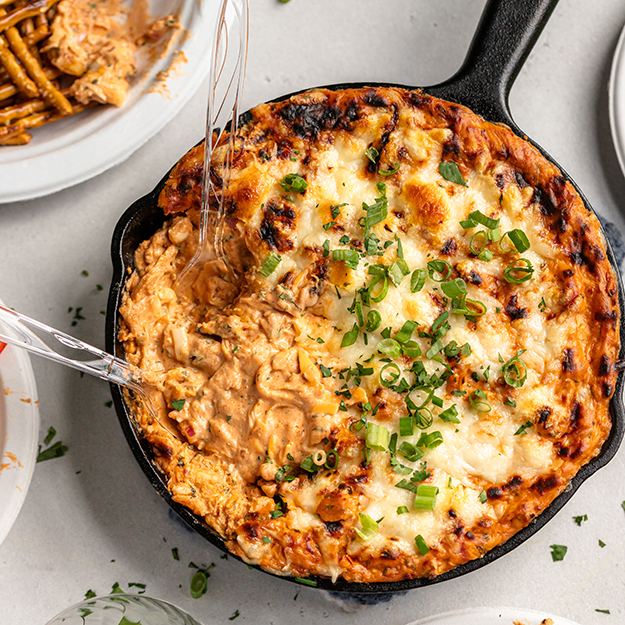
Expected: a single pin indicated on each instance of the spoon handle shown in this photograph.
(20, 331)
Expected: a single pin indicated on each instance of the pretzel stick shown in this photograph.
(27, 26)
(21, 138)
(21, 109)
(16, 16)
(34, 121)
(48, 91)
(41, 32)
(7, 90)
(16, 71)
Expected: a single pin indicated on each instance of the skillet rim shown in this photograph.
(143, 210)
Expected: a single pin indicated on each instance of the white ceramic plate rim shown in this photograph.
(616, 89)
(19, 431)
(107, 137)
(492, 616)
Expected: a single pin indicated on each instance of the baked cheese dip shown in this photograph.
(410, 353)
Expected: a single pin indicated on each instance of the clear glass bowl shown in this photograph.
(122, 609)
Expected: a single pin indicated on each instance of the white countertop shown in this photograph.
(92, 519)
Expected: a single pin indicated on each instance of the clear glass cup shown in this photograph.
(122, 609)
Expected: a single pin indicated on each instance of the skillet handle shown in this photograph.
(506, 34)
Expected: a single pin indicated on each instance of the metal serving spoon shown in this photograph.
(222, 108)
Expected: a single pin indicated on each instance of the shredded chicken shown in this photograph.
(92, 40)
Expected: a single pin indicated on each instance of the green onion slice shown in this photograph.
(406, 331)
(417, 280)
(390, 347)
(514, 371)
(478, 242)
(349, 257)
(439, 270)
(480, 218)
(454, 288)
(406, 426)
(374, 319)
(378, 437)
(411, 349)
(518, 238)
(269, 264)
(378, 288)
(478, 401)
(389, 374)
(519, 271)
(421, 545)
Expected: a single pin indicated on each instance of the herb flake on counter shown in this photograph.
(558, 552)
(84, 273)
(125, 621)
(306, 581)
(49, 436)
(578, 520)
(199, 584)
(174, 553)
(601, 543)
(138, 585)
(234, 615)
(55, 451)
(90, 594)
(602, 610)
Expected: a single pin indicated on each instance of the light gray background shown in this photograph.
(73, 525)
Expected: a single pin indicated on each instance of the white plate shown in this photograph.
(492, 616)
(73, 150)
(19, 430)
(616, 89)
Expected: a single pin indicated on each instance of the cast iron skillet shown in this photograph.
(507, 32)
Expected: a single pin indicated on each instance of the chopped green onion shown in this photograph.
(439, 270)
(269, 264)
(483, 497)
(411, 349)
(477, 399)
(478, 242)
(374, 319)
(423, 419)
(376, 212)
(430, 440)
(381, 293)
(390, 347)
(199, 583)
(485, 255)
(406, 426)
(369, 527)
(178, 404)
(406, 331)
(480, 218)
(410, 452)
(378, 437)
(304, 580)
(450, 171)
(349, 257)
(350, 337)
(332, 459)
(436, 347)
(523, 428)
(417, 280)
(494, 235)
(389, 172)
(397, 271)
(294, 183)
(514, 371)
(519, 271)
(326, 248)
(474, 308)
(519, 240)
(372, 154)
(450, 415)
(402, 510)
(454, 288)
(389, 374)
(421, 545)
(425, 498)
(467, 224)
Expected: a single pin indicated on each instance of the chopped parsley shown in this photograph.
(578, 520)
(558, 552)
